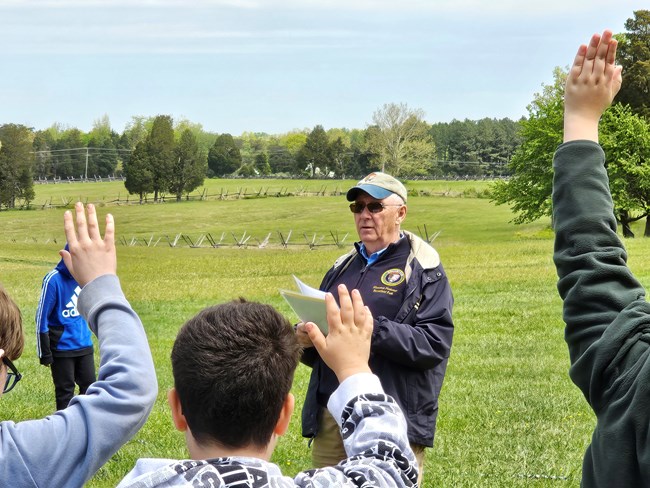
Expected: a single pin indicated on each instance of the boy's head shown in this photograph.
(12, 339)
(233, 367)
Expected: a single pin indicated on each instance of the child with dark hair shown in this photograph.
(233, 366)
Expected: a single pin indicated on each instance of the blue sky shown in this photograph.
(277, 65)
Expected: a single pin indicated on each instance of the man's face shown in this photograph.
(377, 230)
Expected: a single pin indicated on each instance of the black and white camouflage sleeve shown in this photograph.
(374, 434)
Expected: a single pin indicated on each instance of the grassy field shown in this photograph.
(509, 415)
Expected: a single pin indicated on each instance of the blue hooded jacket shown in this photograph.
(60, 329)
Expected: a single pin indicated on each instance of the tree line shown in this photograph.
(158, 155)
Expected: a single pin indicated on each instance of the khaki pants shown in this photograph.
(327, 448)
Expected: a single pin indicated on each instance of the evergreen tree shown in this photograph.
(314, 155)
(160, 153)
(189, 168)
(139, 179)
(339, 157)
(262, 163)
(224, 156)
(634, 55)
(16, 165)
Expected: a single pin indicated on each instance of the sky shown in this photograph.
(280, 65)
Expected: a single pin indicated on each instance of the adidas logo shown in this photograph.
(71, 306)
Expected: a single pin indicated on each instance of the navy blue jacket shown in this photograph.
(409, 296)
(60, 329)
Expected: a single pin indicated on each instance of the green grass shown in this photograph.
(509, 415)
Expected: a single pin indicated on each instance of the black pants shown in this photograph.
(66, 371)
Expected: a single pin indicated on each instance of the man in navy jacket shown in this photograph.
(402, 281)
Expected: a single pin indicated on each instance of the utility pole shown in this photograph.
(86, 172)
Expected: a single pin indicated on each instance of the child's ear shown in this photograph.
(177, 412)
(285, 415)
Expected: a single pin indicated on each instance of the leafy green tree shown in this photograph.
(634, 56)
(16, 165)
(626, 141)
(624, 136)
(314, 155)
(339, 156)
(160, 153)
(224, 156)
(188, 171)
(137, 169)
(362, 160)
(43, 164)
(247, 170)
(344, 134)
(102, 158)
(280, 158)
(125, 146)
(69, 154)
(137, 130)
(528, 191)
(203, 138)
(294, 142)
(283, 150)
(402, 141)
(250, 144)
(262, 163)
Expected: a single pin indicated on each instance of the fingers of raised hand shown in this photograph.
(592, 48)
(68, 227)
(314, 337)
(93, 226)
(109, 231)
(82, 224)
(347, 310)
(601, 53)
(362, 315)
(579, 61)
(611, 52)
(333, 313)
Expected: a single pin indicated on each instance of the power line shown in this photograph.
(107, 149)
(80, 151)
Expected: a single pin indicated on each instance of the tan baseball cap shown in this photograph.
(378, 185)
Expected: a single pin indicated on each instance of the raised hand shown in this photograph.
(346, 349)
(592, 83)
(89, 255)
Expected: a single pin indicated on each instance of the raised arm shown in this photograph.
(607, 317)
(97, 424)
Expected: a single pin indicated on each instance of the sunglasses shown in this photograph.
(373, 207)
(13, 376)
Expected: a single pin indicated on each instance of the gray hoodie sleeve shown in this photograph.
(68, 447)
